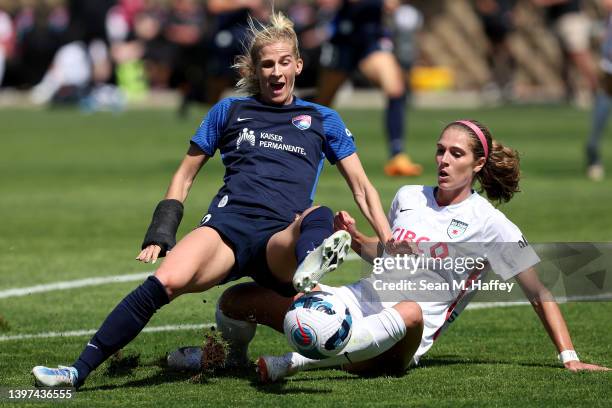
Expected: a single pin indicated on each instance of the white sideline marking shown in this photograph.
(560, 299)
(182, 327)
(17, 292)
(50, 287)
(78, 333)
(81, 283)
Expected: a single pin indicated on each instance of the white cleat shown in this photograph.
(324, 259)
(61, 376)
(186, 359)
(274, 368)
(596, 172)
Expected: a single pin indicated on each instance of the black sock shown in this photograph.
(122, 325)
(315, 227)
(394, 119)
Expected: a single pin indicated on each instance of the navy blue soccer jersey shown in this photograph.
(273, 155)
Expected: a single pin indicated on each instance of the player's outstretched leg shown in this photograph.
(372, 337)
(324, 259)
(121, 326)
(237, 333)
(274, 368)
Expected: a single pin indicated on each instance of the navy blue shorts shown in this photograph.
(340, 56)
(248, 236)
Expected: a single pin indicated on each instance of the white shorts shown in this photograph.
(434, 313)
(573, 29)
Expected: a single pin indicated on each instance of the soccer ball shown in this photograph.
(318, 325)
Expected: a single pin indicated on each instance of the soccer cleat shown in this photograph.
(324, 259)
(596, 172)
(61, 376)
(185, 359)
(273, 368)
(401, 165)
(190, 359)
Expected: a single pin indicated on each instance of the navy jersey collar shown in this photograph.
(291, 105)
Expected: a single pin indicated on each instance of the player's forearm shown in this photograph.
(183, 178)
(369, 203)
(179, 187)
(367, 247)
(550, 315)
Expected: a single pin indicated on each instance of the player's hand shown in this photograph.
(403, 247)
(344, 221)
(580, 366)
(149, 254)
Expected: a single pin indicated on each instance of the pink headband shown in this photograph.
(478, 132)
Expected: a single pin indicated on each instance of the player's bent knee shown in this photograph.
(411, 313)
(229, 302)
(395, 92)
(170, 284)
(317, 214)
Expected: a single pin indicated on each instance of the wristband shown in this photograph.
(568, 355)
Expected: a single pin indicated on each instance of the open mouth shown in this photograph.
(442, 173)
(277, 87)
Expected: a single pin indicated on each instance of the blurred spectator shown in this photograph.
(358, 41)
(7, 40)
(88, 18)
(311, 27)
(140, 54)
(229, 31)
(68, 76)
(405, 23)
(81, 68)
(40, 29)
(497, 21)
(184, 30)
(572, 27)
(601, 109)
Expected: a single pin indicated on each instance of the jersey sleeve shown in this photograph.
(339, 142)
(209, 133)
(509, 253)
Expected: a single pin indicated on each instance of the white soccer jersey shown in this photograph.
(415, 216)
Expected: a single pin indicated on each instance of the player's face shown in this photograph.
(276, 70)
(457, 165)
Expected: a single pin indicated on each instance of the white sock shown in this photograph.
(238, 334)
(371, 337)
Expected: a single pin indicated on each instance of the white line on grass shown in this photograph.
(81, 283)
(560, 299)
(16, 292)
(184, 327)
(78, 333)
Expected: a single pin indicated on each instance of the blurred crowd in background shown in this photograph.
(71, 50)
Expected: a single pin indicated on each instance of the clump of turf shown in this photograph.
(4, 325)
(214, 353)
(121, 364)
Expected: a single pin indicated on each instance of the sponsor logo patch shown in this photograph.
(245, 136)
(302, 122)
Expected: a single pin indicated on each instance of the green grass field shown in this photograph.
(77, 192)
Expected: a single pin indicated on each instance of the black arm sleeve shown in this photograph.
(165, 223)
